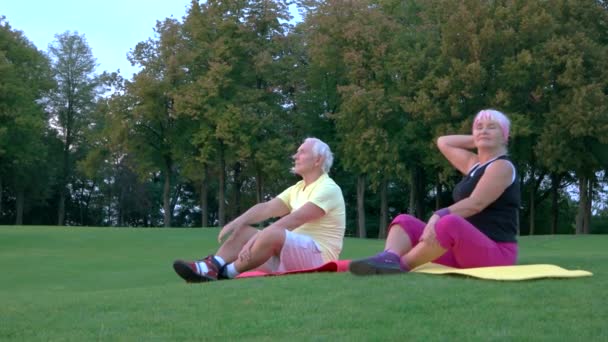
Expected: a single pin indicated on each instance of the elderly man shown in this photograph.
(308, 234)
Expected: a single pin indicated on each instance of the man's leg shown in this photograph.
(268, 243)
(278, 253)
(231, 248)
(211, 267)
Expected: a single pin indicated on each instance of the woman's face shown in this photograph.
(487, 133)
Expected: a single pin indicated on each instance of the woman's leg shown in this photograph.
(404, 233)
(456, 243)
(468, 247)
(459, 244)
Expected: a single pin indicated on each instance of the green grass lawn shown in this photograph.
(84, 284)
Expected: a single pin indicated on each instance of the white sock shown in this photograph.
(220, 260)
(231, 271)
(201, 267)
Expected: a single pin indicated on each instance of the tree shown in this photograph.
(24, 80)
(156, 130)
(576, 60)
(233, 91)
(72, 102)
(348, 48)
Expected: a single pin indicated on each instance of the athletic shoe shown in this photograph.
(191, 271)
(381, 263)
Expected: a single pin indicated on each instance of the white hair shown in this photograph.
(319, 148)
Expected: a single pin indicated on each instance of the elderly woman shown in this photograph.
(480, 228)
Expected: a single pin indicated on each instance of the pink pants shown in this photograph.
(466, 246)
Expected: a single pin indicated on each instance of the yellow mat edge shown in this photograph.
(517, 272)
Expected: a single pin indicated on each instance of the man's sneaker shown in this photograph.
(221, 274)
(382, 263)
(195, 271)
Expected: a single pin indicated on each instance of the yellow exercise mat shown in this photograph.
(517, 272)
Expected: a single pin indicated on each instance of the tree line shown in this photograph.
(223, 97)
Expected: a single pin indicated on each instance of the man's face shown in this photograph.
(304, 159)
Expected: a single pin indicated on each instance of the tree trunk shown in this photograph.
(19, 207)
(167, 193)
(383, 209)
(416, 207)
(532, 206)
(517, 221)
(65, 171)
(582, 203)
(421, 184)
(555, 185)
(236, 206)
(411, 207)
(361, 206)
(80, 204)
(222, 191)
(259, 190)
(80, 197)
(438, 189)
(259, 185)
(1, 199)
(176, 196)
(88, 204)
(121, 207)
(61, 209)
(587, 226)
(107, 205)
(519, 210)
(204, 204)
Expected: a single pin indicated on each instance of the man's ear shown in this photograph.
(319, 161)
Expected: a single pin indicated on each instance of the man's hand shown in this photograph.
(258, 213)
(306, 213)
(226, 231)
(245, 254)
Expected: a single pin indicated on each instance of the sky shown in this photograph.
(111, 27)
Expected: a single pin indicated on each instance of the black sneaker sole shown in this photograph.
(364, 267)
(185, 272)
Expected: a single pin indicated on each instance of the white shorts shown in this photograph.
(299, 252)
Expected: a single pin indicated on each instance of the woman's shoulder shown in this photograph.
(502, 167)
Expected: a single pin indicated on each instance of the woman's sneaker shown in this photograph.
(381, 263)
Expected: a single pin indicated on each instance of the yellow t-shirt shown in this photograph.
(327, 231)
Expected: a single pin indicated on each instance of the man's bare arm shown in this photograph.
(258, 213)
(306, 213)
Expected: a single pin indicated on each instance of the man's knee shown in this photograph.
(243, 233)
(272, 239)
(272, 236)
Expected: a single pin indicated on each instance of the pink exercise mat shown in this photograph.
(331, 266)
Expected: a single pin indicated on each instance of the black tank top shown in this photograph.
(498, 221)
